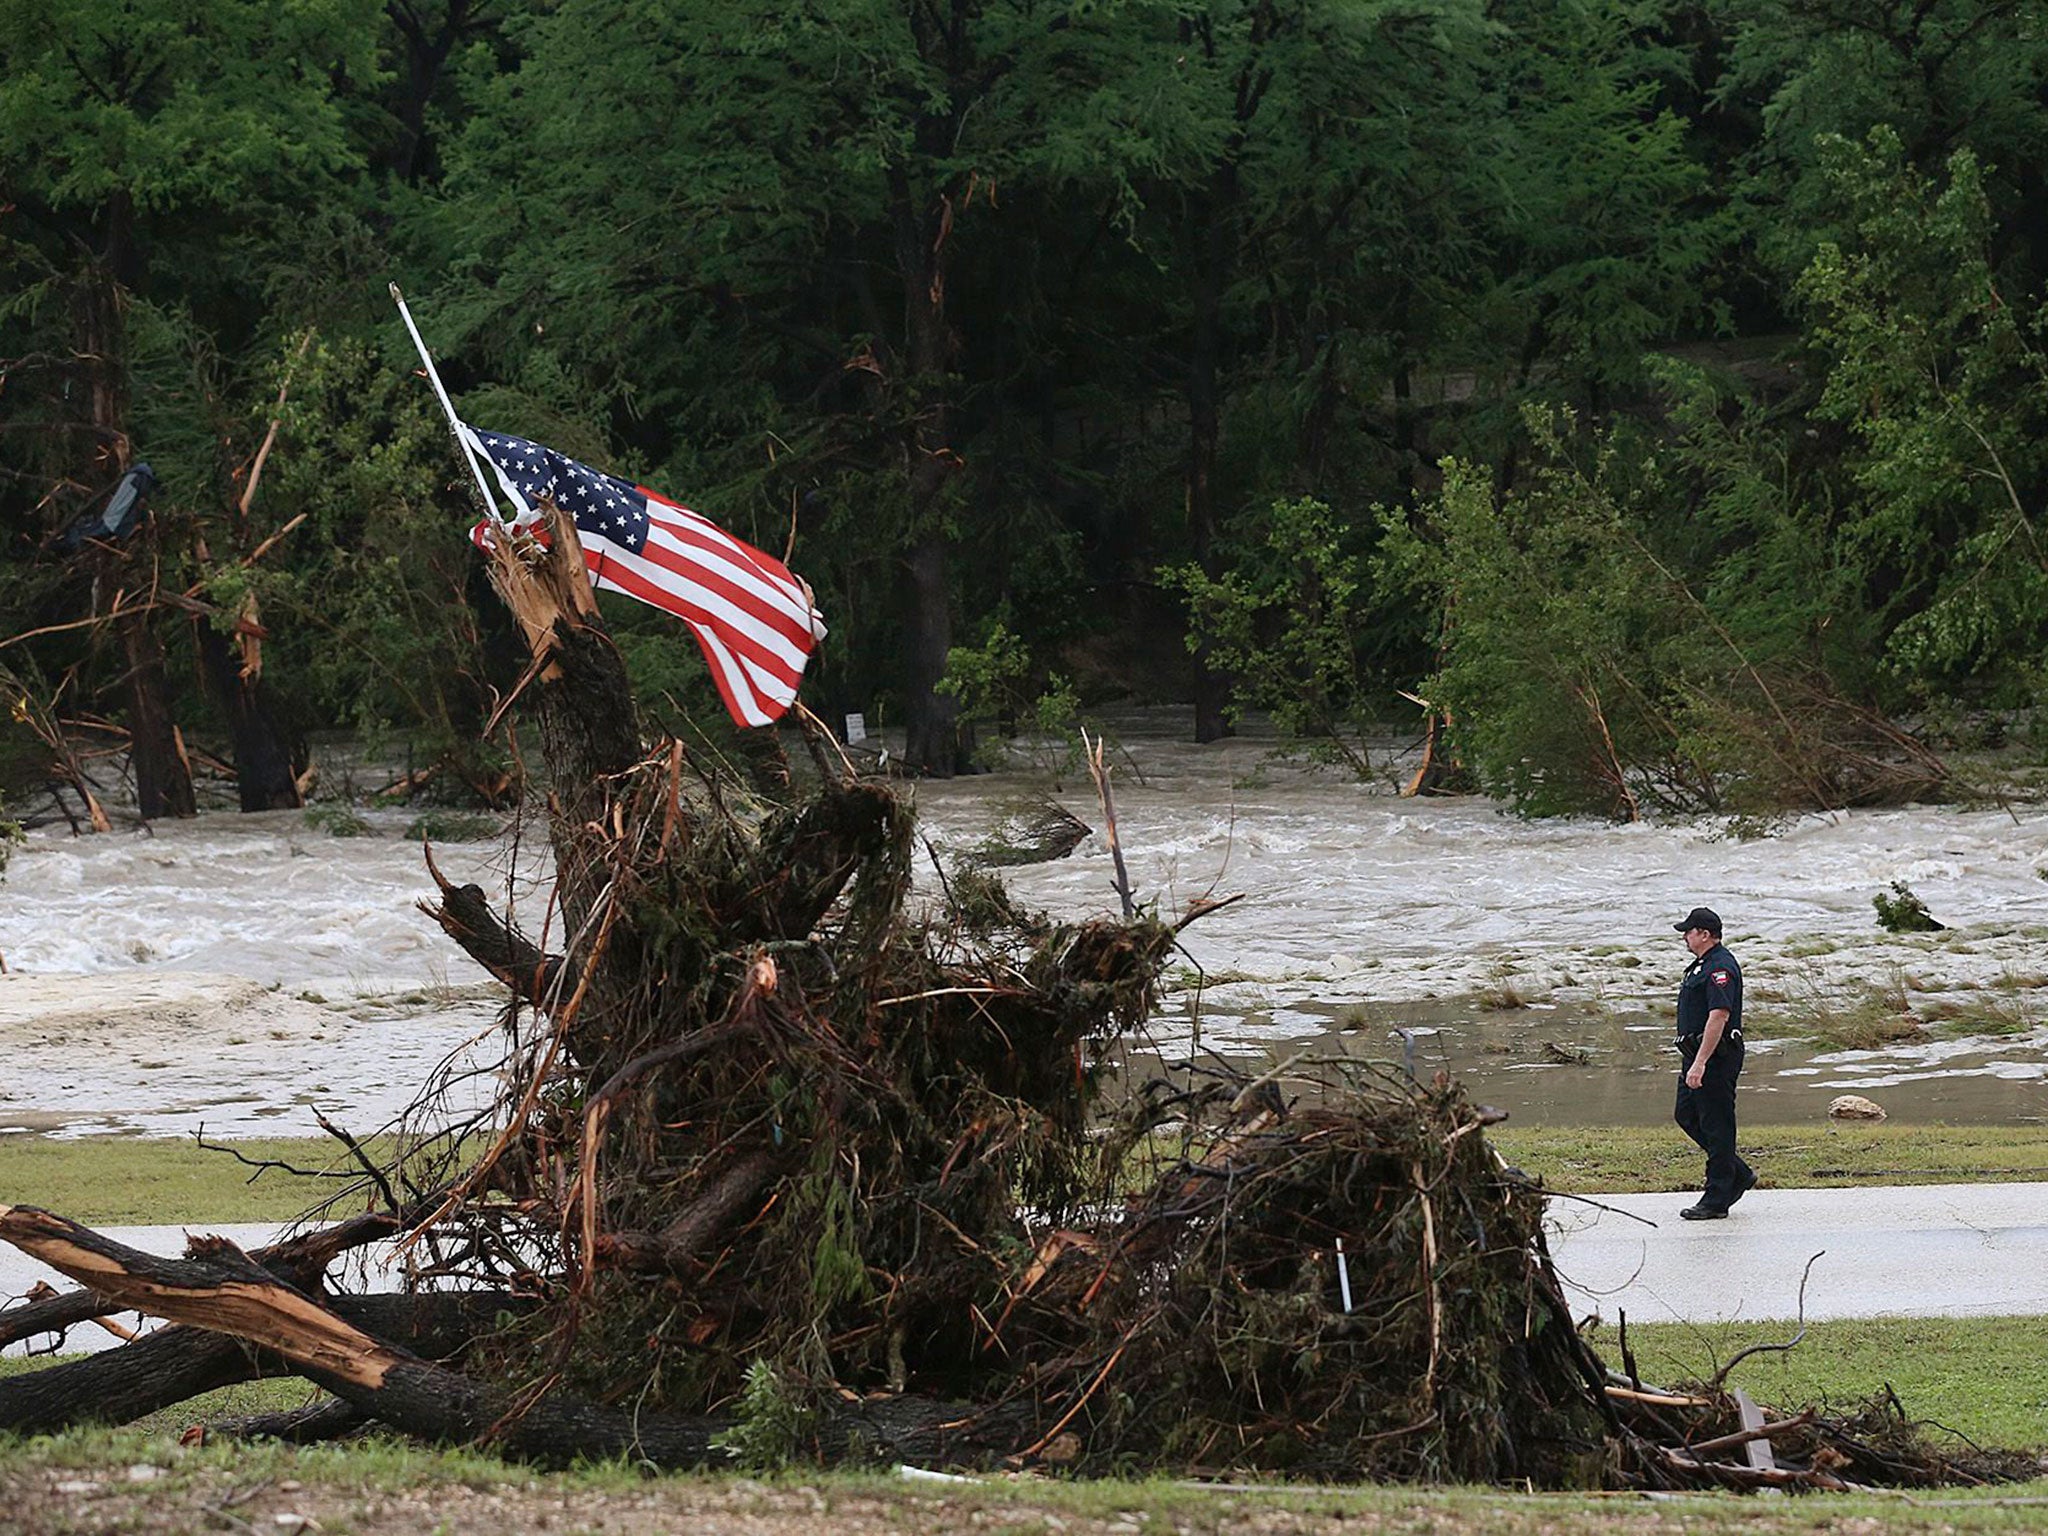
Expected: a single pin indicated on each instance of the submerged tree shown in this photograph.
(1603, 654)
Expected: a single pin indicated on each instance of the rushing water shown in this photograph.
(242, 970)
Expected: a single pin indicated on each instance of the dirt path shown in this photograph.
(152, 1499)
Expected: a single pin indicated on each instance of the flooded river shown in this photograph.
(242, 970)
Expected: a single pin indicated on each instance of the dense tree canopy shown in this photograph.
(1607, 372)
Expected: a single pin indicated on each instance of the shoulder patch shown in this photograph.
(1720, 978)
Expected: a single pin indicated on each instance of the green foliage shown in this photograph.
(338, 820)
(1647, 624)
(171, 104)
(383, 591)
(1605, 241)
(452, 827)
(1903, 912)
(1290, 621)
(1059, 296)
(838, 1273)
(1567, 650)
(774, 1423)
(1936, 75)
(999, 687)
(1937, 369)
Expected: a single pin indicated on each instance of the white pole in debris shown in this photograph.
(1343, 1276)
(455, 424)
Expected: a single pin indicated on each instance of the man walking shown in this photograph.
(1710, 1042)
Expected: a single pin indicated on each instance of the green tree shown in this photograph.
(1650, 624)
(811, 255)
(1601, 228)
(1291, 627)
(1942, 75)
(1935, 365)
(1308, 218)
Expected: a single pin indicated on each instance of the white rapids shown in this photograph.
(245, 970)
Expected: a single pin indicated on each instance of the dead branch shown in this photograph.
(1098, 771)
(1792, 1343)
(465, 915)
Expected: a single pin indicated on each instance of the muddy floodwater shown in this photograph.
(242, 971)
(1565, 1064)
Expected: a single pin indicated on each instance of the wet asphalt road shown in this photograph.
(1935, 1250)
(1931, 1250)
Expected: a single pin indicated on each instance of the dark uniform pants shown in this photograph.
(1707, 1115)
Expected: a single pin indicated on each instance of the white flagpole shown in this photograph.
(455, 423)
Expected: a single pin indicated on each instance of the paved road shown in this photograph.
(1936, 1250)
(1932, 1250)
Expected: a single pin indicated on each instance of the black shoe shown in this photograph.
(1704, 1213)
(1748, 1183)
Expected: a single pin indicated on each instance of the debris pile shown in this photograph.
(788, 1166)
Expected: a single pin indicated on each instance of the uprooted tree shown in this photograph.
(783, 1169)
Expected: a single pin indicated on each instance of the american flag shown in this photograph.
(753, 618)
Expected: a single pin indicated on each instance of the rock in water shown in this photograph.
(1853, 1106)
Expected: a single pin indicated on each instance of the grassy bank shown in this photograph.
(1591, 1160)
(113, 1181)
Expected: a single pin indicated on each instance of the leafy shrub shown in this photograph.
(1903, 912)
(1599, 653)
(773, 1424)
(338, 820)
(451, 827)
(1291, 622)
(997, 684)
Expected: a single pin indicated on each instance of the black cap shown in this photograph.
(1700, 917)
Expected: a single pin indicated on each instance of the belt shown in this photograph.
(1729, 1034)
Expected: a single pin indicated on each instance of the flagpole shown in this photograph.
(455, 423)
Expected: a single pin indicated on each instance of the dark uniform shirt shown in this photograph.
(1712, 981)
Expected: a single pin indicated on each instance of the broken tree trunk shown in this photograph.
(301, 1259)
(218, 1288)
(163, 774)
(267, 765)
(590, 732)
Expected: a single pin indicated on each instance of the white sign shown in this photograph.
(856, 729)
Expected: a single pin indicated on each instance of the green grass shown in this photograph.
(114, 1181)
(1591, 1160)
(1979, 1376)
(81, 1483)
